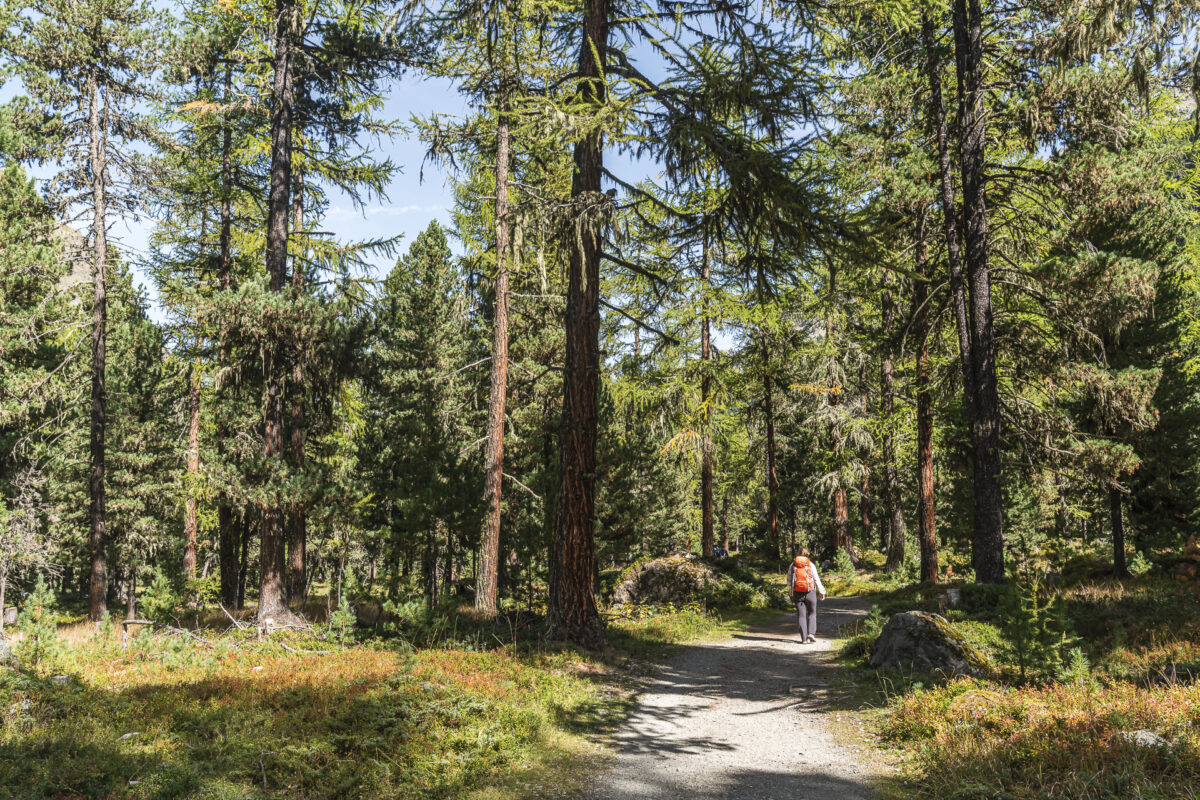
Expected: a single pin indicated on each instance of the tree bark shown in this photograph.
(769, 422)
(131, 595)
(895, 511)
(244, 561)
(1118, 531)
(925, 497)
(988, 545)
(227, 534)
(864, 488)
(98, 584)
(707, 537)
(272, 599)
(3, 590)
(842, 538)
(487, 579)
(193, 473)
(572, 612)
(297, 521)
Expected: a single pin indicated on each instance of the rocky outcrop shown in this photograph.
(673, 579)
(926, 643)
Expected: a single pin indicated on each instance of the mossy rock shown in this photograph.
(928, 644)
(673, 579)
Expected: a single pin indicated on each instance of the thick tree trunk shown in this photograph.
(1118, 531)
(487, 579)
(988, 550)
(925, 497)
(227, 535)
(572, 612)
(895, 510)
(243, 569)
(98, 584)
(707, 537)
(272, 599)
(297, 521)
(193, 473)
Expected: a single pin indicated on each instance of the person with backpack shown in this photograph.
(806, 588)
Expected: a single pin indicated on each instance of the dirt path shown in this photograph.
(747, 719)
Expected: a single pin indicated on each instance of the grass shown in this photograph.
(1057, 736)
(480, 709)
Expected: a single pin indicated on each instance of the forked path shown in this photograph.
(748, 718)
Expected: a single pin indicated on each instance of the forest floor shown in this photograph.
(756, 716)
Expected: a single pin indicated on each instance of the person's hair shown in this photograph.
(804, 552)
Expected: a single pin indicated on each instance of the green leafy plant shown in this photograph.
(40, 644)
(161, 601)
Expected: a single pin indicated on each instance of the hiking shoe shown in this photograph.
(810, 639)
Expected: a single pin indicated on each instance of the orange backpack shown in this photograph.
(802, 581)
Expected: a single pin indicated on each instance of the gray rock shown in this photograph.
(6, 654)
(61, 680)
(926, 643)
(1139, 738)
(674, 579)
(10, 615)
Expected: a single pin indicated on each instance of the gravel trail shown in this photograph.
(746, 718)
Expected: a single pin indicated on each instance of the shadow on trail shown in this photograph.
(742, 785)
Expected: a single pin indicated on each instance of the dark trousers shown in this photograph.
(806, 612)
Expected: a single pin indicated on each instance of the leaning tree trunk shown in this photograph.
(193, 474)
(925, 499)
(1118, 531)
(988, 550)
(227, 533)
(297, 522)
(707, 537)
(98, 584)
(572, 612)
(891, 473)
(487, 579)
(272, 598)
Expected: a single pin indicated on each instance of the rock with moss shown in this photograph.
(674, 579)
(926, 643)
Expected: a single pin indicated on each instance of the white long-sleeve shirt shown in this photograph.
(812, 567)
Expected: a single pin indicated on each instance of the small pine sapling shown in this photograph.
(40, 644)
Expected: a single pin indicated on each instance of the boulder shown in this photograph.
(10, 615)
(1139, 738)
(673, 579)
(6, 653)
(926, 643)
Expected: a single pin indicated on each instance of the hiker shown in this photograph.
(806, 588)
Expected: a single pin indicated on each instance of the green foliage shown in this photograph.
(343, 620)
(1031, 617)
(842, 565)
(40, 644)
(161, 601)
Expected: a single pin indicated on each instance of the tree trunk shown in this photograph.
(725, 523)
(891, 473)
(297, 522)
(707, 538)
(131, 595)
(769, 421)
(3, 590)
(988, 550)
(487, 578)
(193, 476)
(925, 497)
(227, 535)
(958, 295)
(98, 585)
(272, 599)
(841, 508)
(864, 487)
(1118, 531)
(572, 612)
(244, 562)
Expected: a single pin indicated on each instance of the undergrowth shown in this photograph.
(445, 708)
(1103, 660)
